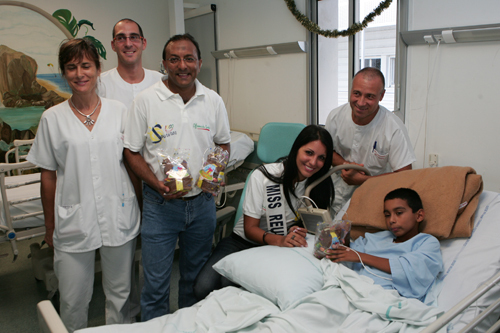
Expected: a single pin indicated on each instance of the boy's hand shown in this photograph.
(341, 254)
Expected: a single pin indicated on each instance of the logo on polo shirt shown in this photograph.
(201, 127)
(169, 130)
(156, 133)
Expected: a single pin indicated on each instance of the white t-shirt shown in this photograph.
(254, 204)
(382, 146)
(112, 85)
(95, 202)
(160, 120)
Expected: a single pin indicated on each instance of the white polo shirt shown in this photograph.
(95, 202)
(382, 146)
(159, 119)
(112, 85)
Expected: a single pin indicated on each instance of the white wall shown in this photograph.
(152, 15)
(256, 90)
(461, 104)
(450, 13)
(264, 89)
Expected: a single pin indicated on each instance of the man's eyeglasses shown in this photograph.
(132, 38)
(176, 60)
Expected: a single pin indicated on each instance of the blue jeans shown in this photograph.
(208, 279)
(163, 222)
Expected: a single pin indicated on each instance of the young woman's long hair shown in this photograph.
(323, 194)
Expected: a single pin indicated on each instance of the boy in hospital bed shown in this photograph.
(400, 258)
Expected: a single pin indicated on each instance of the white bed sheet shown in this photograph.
(347, 303)
(467, 264)
(23, 192)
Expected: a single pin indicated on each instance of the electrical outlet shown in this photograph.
(433, 160)
(429, 39)
(438, 38)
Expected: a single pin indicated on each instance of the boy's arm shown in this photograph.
(346, 254)
(414, 272)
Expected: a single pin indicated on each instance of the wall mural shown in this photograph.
(30, 81)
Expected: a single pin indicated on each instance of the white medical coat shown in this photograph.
(382, 146)
(95, 202)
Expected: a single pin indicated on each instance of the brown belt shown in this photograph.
(191, 197)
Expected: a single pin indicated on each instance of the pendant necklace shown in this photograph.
(88, 121)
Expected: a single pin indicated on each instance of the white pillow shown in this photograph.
(282, 275)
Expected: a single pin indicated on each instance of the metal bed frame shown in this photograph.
(10, 234)
(462, 305)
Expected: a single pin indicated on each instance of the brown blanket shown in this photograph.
(449, 194)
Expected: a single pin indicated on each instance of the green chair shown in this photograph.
(275, 141)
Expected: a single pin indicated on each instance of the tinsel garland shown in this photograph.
(353, 29)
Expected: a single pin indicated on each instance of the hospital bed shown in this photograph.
(288, 290)
(469, 287)
(306, 297)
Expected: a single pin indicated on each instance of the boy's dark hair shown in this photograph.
(407, 194)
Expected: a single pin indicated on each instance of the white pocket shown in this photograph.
(128, 214)
(70, 223)
(378, 161)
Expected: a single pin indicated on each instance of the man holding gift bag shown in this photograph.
(177, 113)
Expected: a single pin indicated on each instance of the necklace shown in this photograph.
(88, 121)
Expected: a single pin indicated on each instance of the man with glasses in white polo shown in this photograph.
(176, 113)
(123, 83)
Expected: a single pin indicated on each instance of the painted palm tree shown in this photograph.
(67, 19)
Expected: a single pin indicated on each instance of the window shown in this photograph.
(373, 62)
(391, 72)
(375, 46)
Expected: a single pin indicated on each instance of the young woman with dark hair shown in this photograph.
(272, 198)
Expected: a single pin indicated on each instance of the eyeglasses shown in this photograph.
(176, 60)
(132, 38)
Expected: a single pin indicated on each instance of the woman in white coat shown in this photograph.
(87, 196)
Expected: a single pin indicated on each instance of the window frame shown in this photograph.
(400, 73)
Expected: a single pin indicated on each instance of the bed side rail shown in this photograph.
(463, 304)
(8, 229)
(48, 319)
